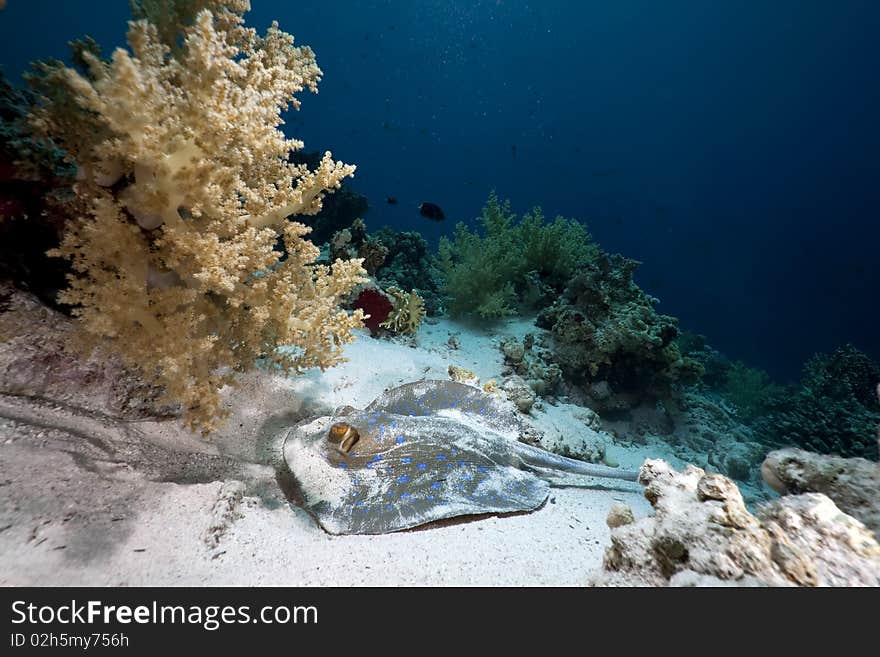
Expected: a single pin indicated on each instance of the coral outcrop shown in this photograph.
(185, 178)
(529, 360)
(701, 534)
(853, 484)
(486, 274)
(751, 391)
(408, 263)
(605, 330)
(705, 426)
(834, 410)
(354, 243)
(35, 194)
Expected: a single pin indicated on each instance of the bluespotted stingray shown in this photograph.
(422, 452)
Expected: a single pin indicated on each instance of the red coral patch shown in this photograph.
(376, 305)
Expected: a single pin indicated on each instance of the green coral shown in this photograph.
(407, 313)
(750, 390)
(488, 274)
(605, 329)
(835, 409)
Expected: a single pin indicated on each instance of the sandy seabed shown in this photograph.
(150, 504)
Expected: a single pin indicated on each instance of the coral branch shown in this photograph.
(186, 173)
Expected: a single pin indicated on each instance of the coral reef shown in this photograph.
(702, 534)
(853, 484)
(751, 391)
(708, 433)
(35, 195)
(407, 313)
(605, 330)
(834, 411)
(187, 185)
(353, 243)
(487, 275)
(409, 264)
(715, 364)
(532, 362)
(518, 391)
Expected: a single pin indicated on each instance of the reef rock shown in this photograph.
(605, 328)
(517, 390)
(853, 484)
(701, 534)
(707, 432)
(532, 363)
(619, 515)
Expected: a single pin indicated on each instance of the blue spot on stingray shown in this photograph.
(402, 479)
(389, 507)
(482, 468)
(372, 420)
(422, 466)
(378, 457)
(406, 459)
(461, 463)
(404, 496)
(400, 439)
(441, 457)
(455, 452)
(436, 485)
(342, 465)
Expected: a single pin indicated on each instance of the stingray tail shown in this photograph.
(540, 458)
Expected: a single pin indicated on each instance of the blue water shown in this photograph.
(730, 146)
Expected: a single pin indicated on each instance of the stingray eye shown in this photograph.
(343, 435)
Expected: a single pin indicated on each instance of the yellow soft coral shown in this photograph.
(407, 313)
(176, 262)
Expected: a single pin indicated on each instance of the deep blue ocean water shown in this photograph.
(732, 146)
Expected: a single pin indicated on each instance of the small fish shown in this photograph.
(391, 200)
(432, 211)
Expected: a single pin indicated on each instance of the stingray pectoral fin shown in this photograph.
(547, 462)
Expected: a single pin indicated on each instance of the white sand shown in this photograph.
(69, 521)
